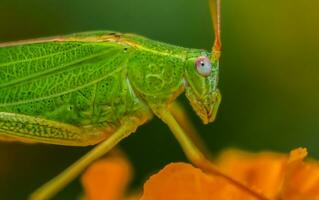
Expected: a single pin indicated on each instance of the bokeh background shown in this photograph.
(269, 78)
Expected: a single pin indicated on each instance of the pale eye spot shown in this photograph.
(203, 66)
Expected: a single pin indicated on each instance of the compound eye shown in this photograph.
(203, 66)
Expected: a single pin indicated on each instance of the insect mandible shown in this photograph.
(98, 88)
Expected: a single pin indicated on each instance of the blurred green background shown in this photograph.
(269, 78)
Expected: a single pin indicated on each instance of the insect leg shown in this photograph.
(48, 190)
(30, 129)
(194, 154)
(182, 118)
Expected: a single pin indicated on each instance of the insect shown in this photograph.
(98, 88)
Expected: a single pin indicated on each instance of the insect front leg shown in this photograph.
(182, 118)
(193, 153)
(48, 190)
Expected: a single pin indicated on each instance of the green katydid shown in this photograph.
(98, 87)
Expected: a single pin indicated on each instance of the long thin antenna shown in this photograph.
(215, 9)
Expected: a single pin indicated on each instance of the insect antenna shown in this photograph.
(215, 8)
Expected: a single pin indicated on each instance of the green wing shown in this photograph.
(59, 78)
(49, 88)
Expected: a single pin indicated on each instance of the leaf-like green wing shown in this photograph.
(38, 77)
(49, 88)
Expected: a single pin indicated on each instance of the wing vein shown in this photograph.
(64, 92)
(51, 71)
(40, 57)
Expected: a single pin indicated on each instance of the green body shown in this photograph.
(83, 85)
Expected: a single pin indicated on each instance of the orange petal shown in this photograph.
(106, 179)
(181, 181)
(263, 172)
(277, 176)
(302, 178)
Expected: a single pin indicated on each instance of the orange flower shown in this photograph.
(107, 179)
(273, 175)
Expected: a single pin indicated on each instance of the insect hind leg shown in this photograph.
(29, 129)
(128, 126)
